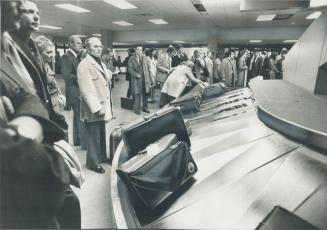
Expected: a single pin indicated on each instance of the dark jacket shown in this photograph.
(36, 69)
(135, 68)
(177, 59)
(34, 179)
(26, 104)
(68, 65)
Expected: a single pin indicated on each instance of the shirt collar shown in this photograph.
(73, 52)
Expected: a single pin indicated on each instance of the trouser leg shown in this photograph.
(137, 104)
(93, 144)
(103, 147)
(69, 216)
(76, 138)
(145, 101)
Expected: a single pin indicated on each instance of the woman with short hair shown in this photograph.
(47, 51)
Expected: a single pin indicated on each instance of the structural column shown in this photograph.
(106, 38)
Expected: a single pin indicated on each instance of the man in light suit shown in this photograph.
(94, 79)
(164, 65)
(69, 63)
(227, 69)
(140, 80)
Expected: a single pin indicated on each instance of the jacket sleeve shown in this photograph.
(66, 66)
(222, 70)
(87, 89)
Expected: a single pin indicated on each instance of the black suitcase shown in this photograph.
(280, 219)
(126, 103)
(153, 178)
(189, 102)
(139, 134)
(213, 91)
(114, 140)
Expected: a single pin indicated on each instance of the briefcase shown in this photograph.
(144, 131)
(280, 219)
(126, 103)
(153, 178)
(213, 90)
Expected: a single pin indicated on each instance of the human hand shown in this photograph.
(101, 112)
(28, 127)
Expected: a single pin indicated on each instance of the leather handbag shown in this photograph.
(75, 169)
(139, 134)
(153, 178)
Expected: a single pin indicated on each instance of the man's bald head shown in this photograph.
(75, 43)
(94, 46)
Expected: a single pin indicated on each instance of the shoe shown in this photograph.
(137, 113)
(106, 161)
(146, 110)
(98, 169)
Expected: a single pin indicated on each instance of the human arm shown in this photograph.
(66, 67)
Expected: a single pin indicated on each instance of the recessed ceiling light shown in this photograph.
(80, 35)
(268, 17)
(50, 27)
(314, 15)
(96, 35)
(121, 4)
(122, 23)
(255, 41)
(179, 41)
(293, 23)
(158, 21)
(290, 41)
(318, 3)
(73, 8)
(152, 42)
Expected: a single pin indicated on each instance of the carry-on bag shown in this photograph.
(280, 218)
(144, 131)
(213, 90)
(126, 103)
(189, 102)
(154, 178)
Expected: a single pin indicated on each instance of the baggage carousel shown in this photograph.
(255, 148)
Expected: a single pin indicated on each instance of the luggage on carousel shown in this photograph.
(153, 178)
(280, 218)
(114, 140)
(126, 103)
(213, 90)
(189, 102)
(144, 131)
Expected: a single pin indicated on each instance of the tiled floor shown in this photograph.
(95, 194)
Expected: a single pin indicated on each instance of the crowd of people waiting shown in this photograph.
(35, 179)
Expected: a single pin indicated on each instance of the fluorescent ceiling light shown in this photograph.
(314, 15)
(50, 27)
(179, 41)
(255, 41)
(96, 35)
(318, 3)
(268, 17)
(290, 41)
(158, 21)
(82, 36)
(121, 4)
(152, 42)
(122, 23)
(72, 8)
(120, 43)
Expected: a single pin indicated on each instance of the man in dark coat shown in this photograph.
(69, 63)
(179, 56)
(33, 176)
(30, 64)
(31, 58)
(141, 80)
